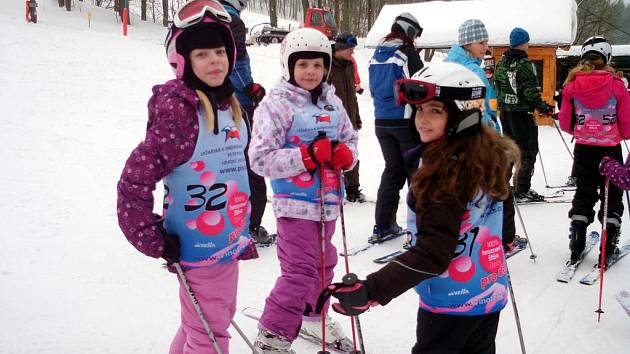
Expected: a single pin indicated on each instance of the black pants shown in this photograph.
(257, 183)
(394, 142)
(590, 183)
(351, 178)
(451, 334)
(522, 128)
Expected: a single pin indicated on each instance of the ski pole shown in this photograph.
(555, 124)
(602, 257)
(533, 256)
(322, 226)
(345, 256)
(193, 298)
(516, 316)
(543, 168)
(240, 332)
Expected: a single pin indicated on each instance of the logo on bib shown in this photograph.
(322, 117)
(231, 133)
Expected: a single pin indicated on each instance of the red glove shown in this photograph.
(341, 157)
(318, 152)
(256, 92)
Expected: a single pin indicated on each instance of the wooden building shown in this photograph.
(552, 28)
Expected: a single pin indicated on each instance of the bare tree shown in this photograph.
(165, 13)
(273, 12)
(143, 10)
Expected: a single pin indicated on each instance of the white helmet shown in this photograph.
(409, 25)
(459, 88)
(597, 45)
(239, 5)
(304, 40)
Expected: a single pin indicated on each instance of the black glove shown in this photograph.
(549, 111)
(172, 246)
(255, 92)
(353, 296)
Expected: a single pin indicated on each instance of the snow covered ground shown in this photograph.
(74, 105)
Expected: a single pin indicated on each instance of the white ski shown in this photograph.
(255, 314)
(568, 271)
(593, 275)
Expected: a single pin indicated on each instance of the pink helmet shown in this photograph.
(177, 60)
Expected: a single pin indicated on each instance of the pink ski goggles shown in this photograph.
(193, 12)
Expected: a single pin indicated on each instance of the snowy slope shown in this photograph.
(74, 105)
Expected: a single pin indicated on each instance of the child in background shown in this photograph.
(596, 111)
(457, 263)
(288, 147)
(195, 143)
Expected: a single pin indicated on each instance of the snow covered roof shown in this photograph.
(575, 50)
(549, 22)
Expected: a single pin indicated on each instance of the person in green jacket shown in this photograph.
(518, 95)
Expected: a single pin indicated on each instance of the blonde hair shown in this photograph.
(588, 65)
(237, 114)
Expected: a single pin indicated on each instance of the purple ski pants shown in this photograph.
(297, 289)
(215, 289)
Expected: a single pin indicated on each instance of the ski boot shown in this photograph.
(409, 242)
(529, 197)
(613, 228)
(577, 237)
(354, 195)
(381, 234)
(571, 180)
(260, 236)
(270, 343)
(334, 334)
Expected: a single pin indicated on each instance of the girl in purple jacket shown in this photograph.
(595, 110)
(194, 143)
(302, 138)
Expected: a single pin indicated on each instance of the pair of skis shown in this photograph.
(568, 270)
(353, 251)
(255, 314)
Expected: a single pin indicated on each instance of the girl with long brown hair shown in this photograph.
(457, 262)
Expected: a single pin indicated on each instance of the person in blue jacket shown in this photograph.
(395, 58)
(249, 94)
(470, 51)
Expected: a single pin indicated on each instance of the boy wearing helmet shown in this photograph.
(395, 58)
(456, 264)
(596, 111)
(302, 140)
(195, 128)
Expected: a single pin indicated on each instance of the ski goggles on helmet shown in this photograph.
(193, 12)
(408, 91)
